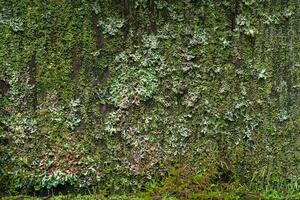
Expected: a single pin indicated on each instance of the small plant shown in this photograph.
(132, 86)
(55, 179)
(199, 37)
(111, 26)
(245, 26)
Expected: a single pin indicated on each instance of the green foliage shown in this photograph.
(111, 26)
(132, 86)
(106, 95)
(54, 180)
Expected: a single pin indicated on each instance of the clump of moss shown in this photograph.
(132, 86)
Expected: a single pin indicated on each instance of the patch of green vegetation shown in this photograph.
(132, 86)
(149, 99)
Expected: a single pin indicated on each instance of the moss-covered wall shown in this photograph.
(113, 95)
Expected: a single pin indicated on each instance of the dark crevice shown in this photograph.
(232, 12)
(126, 15)
(105, 108)
(104, 76)
(153, 27)
(224, 175)
(32, 80)
(4, 87)
(76, 64)
(97, 31)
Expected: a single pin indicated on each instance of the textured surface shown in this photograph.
(115, 95)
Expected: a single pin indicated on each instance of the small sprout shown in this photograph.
(251, 32)
(283, 116)
(262, 74)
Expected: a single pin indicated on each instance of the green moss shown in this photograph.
(106, 95)
(132, 86)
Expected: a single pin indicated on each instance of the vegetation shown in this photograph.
(150, 99)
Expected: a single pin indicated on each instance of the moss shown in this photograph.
(112, 93)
